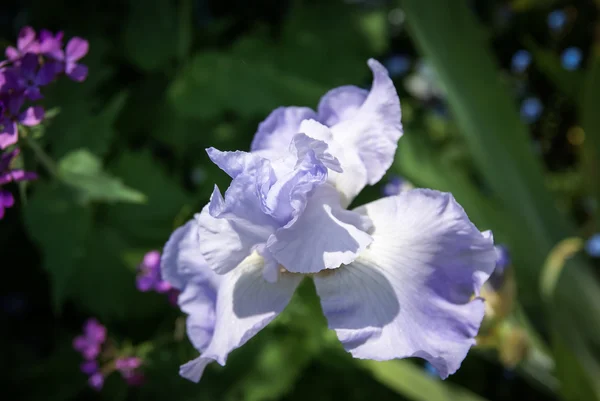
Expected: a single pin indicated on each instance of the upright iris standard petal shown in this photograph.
(341, 104)
(409, 294)
(245, 304)
(276, 131)
(325, 236)
(374, 129)
(365, 127)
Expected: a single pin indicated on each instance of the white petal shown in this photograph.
(409, 294)
(245, 304)
(324, 236)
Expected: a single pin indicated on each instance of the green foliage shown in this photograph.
(83, 171)
(60, 227)
(168, 79)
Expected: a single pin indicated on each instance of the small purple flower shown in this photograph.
(90, 343)
(32, 75)
(96, 381)
(76, 49)
(149, 277)
(128, 365)
(13, 116)
(26, 43)
(51, 44)
(395, 277)
(10, 175)
(89, 367)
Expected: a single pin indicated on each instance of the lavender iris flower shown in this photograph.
(395, 277)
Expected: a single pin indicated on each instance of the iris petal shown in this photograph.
(245, 304)
(409, 294)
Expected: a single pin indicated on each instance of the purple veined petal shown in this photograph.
(77, 72)
(7, 158)
(162, 286)
(96, 381)
(26, 40)
(16, 175)
(80, 343)
(12, 53)
(182, 261)
(8, 135)
(15, 102)
(95, 331)
(6, 199)
(32, 116)
(374, 129)
(409, 294)
(50, 44)
(245, 305)
(144, 283)
(341, 104)
(89, 367)
(152, 260)
(324, 237)
(76, 48)
(91, 351)
(48, 72)
(276, 132)
(33, 93)
(29, 66)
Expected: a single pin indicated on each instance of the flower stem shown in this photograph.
(42, 156)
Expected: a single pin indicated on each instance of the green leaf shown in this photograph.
(104, 285)
(568, 82)
(150, 37)
(412, 382)
(215, 82)
(83, 171)
(258, 74)
(60, 228)
(79, 124)
(148, 224)
(591, 124)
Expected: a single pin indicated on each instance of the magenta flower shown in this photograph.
(75, 50)
(128, 366)
(96, 381)
(89, 344)
(26, 43)
(13, 116)
(149, 278)
(7, 175)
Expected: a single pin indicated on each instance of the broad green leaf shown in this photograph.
(84, 120)
(216, 82)
(104, 285)
(83, 171)
(151, 223)
(151, 34)
(412, 382)
(258, 74)
(590, 117)
(60, 227)
(568, 82)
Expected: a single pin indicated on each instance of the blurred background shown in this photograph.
(500, 103)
